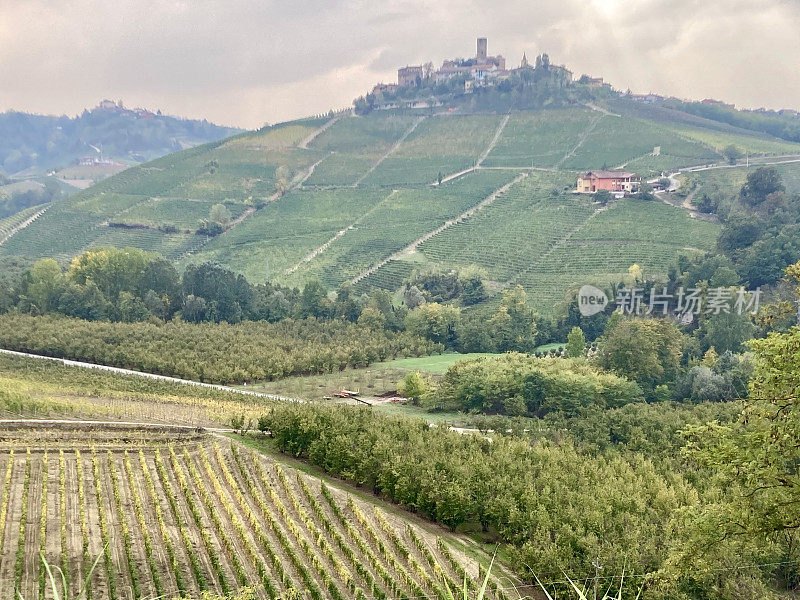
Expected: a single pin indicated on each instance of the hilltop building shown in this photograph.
(481, 68)
(616, 182)
(409, 75)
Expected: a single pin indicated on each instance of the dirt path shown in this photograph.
(601, 110)
(391, 151)
(86, 365)
(412, 247)
(581, 141)
(558, 244)
(316, 252)
(303, 145)
(494, 140)
(492, 143)
(17, 228)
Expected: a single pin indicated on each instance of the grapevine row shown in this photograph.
(173, 503)
(23, 523)
(176, 568)
(62, 509)
(241, 530)
(133, 570)
(390, 581)
(302, 570)
(401, 571)
(220, 528)
(341, 543)
(198, 519)
(84, 523)
(323, 544)
(148, 541)
(43, 525)
(6, 497)
(104, 538)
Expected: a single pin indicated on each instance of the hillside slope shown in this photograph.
(357, 198)
(34, 143)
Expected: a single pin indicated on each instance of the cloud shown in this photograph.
(249, 62)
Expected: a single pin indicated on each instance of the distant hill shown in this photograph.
(356, 198)
(32, 144)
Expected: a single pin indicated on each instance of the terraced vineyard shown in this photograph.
(362, 189)
(169, 512)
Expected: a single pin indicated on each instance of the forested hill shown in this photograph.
(40, 142)
(369, 199)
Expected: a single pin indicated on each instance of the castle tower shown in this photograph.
(482, 47)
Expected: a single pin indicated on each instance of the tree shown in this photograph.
(436, 322)
(314, 301)
(755, 459)
(112, 270)
(645, 350)
(514, 323)
(603, 197)
(726, 332)
(45, 285)
(414, 387)
(576, 343)
(761, 183)
(220, 214)
(732, 153)
(413, 297)
(282, 176)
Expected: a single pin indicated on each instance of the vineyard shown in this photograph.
(371, 193)
(167, 512)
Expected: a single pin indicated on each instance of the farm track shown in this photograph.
(17, 228)
(560, 243)
(389, 152)
(494, 140)
(479, 162)
(86, 365)
(317, 251)
(584, 136)
(303, 145)
(412, 247)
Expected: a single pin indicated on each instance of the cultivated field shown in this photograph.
(370, 194)
(170, 512)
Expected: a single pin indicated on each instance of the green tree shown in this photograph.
(45, 284)
(645, 350)
(576, 343)
(113, 270)
(514, 323)
(220, 214)
(436, 322)
(314, 300)
(732, 153)
(414, 387)
(761, 183)
(282, 176)
(754, 461)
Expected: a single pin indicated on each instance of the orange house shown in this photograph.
(612, 181)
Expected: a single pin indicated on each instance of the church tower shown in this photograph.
(524, 64)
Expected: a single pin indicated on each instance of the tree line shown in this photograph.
(211, 352)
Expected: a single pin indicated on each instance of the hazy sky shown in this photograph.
(247, 62)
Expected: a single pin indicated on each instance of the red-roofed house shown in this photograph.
(612, 181)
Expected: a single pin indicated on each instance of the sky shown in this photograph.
(251, 62)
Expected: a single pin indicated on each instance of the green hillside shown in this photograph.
(355, 198)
